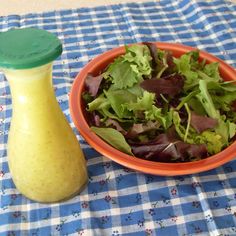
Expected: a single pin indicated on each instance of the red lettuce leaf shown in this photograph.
(156, 62)
(137, 129)
(233, 106)
(153, 51)
(171, 65)
(93, 118)
(92, 84)
(96, 119)
(201, 123)
(170, 60)
(170, 85)
(169, 148)
(197, 151)
(115, 124)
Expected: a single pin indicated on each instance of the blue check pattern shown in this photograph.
(117, 200)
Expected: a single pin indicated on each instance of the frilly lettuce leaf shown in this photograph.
(184, 67)
(121, 74)
(117, 98)
(130, 68)
(212, 70)
(151, 112)
(157, 114)
(140, 58)
(143, 103)
(212, 140)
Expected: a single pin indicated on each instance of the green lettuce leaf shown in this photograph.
(196, 106)
(121, 74)
(229, 86)
(221, 87)
(156, 114)
(184, 67)
(212, 70)
(142, 104)
(130, 68)
(206, 100)
(161, 63)
(103, 106)
(117, 99)
(231, 128)
(140, 59)
(212, 140)
(136, 90)
(225, 128)
(224, 101)
(98, 103)
(106, 113)
(151, 112)
(114, 138)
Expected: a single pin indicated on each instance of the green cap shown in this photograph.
(27, 48)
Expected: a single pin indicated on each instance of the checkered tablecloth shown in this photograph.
(118, 201)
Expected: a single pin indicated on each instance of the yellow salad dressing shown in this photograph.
(45, 158)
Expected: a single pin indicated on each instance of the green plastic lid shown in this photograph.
(28, 48)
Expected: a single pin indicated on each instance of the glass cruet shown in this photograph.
(45, 159)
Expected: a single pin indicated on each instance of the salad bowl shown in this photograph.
(80, 118)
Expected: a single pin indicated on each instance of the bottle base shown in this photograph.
(77, 192)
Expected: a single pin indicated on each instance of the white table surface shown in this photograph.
(9, 7)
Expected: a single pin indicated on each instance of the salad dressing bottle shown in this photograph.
(44, 156)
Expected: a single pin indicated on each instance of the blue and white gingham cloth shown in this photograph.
(118, 201)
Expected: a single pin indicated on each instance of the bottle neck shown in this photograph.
(30, 85)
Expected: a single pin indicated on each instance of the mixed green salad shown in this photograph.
(151, 105)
